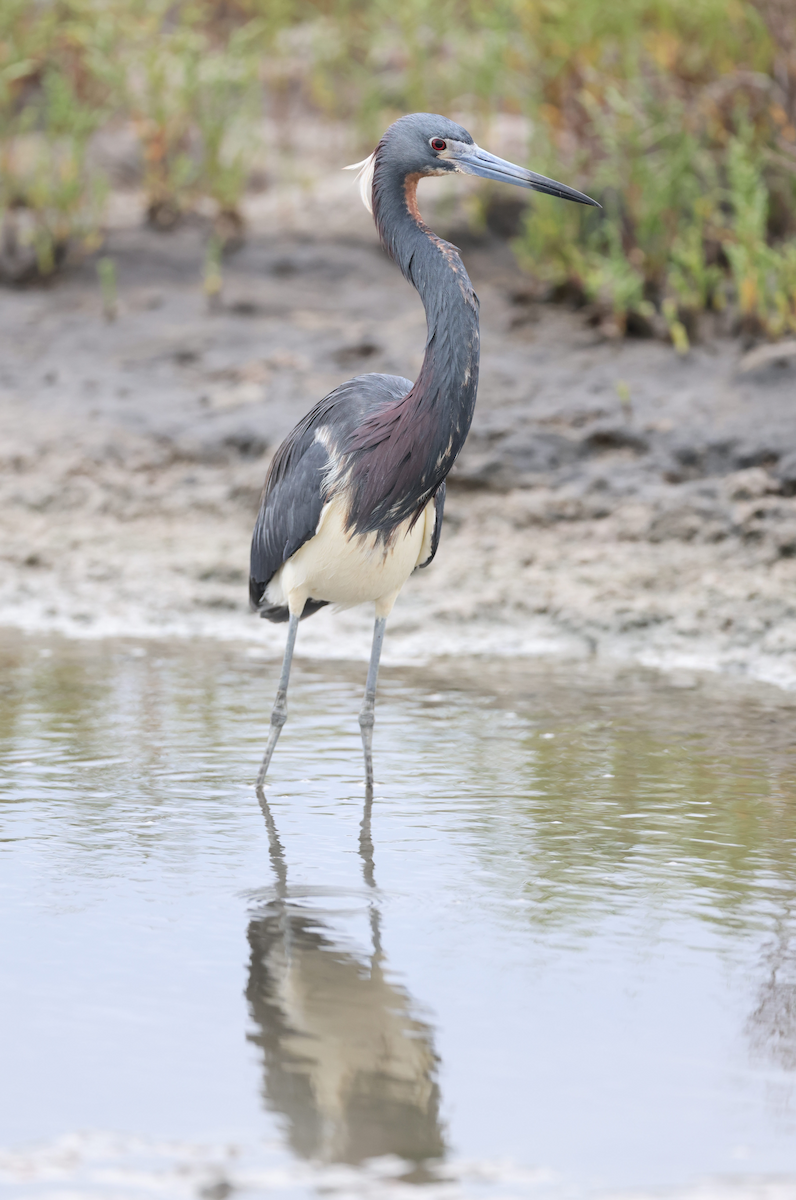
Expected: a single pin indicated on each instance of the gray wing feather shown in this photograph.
(288, 517)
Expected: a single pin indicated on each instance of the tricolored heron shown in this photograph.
(353, 499)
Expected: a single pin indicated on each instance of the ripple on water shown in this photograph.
(562, 937)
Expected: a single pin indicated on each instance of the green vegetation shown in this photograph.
(188, 85)
(684, 127)
(679, 115)
(106, 271)
(51, 102)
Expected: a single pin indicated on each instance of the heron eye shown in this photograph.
(438, 144)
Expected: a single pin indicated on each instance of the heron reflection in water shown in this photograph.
(347, 1062)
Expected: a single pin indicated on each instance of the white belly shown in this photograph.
(346, 570)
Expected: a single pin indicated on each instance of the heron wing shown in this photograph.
(289, 512)
(294, 492)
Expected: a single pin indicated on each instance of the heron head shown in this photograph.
(428, 144)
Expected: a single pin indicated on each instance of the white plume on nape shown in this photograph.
(365, 177)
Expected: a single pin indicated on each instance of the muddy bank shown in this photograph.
(613, 499)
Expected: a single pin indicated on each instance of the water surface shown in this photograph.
(556, 955)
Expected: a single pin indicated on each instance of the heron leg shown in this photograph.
(279, 714)
(366, 715)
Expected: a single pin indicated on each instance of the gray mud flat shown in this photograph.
(555, 957)
(612, 499)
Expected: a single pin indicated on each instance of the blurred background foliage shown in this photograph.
(679, 115)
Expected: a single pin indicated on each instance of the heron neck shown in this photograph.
(404, 449)
(449, 374)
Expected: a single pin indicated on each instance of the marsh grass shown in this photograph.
(679, 115)
(52, 100)
(193, 96)
(106, 273)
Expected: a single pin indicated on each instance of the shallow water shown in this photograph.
(556, 956)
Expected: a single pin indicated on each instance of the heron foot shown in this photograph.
(273, 738)
(367, 746)
(366, 722)
(367, 717)
(279, 711)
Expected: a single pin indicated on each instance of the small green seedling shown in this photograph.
(623, 392)
(213, 278)
(106, 270)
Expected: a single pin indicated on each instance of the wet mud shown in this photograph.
(613, 499)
